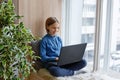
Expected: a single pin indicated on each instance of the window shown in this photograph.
(115, 38)
(119, 19)
(118, 47)
(89, 38)
(79, 16)
(110, 60)
(88, 21)
(90, 8)
(76, 25)
(90, 55)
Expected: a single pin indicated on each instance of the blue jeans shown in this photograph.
(66, 70)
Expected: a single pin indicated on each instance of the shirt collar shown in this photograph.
(51, 36)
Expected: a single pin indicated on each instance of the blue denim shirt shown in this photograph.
(50, 47)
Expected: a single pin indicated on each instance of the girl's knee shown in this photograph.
(84, 63)
(55, 71)
(60, 72)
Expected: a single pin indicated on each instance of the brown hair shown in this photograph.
(50, 21)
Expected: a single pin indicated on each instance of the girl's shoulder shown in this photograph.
(59, 37)
(44, 38)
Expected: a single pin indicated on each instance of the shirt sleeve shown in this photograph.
(44, 57)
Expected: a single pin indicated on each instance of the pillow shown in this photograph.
(36, 48)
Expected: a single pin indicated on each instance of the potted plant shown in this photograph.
(14, 48)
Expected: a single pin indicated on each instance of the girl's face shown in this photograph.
(53, 29)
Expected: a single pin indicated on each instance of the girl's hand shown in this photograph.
(57, 58)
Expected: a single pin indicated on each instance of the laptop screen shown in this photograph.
(71, 54)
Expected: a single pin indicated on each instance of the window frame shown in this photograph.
(102, 31)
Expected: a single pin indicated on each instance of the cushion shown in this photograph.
(36, 48)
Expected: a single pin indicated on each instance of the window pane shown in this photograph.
(89, 38)
(79, 25)
(88, 29)
(88, 21)
(115, 38)
(110, 57)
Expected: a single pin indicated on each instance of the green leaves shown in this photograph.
(10, 2)
(14, 48)
(7, 14)
(1, 47)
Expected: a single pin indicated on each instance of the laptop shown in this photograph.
(70, 54)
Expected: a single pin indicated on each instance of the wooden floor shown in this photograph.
(42, 74)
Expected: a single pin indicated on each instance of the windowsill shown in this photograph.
(109, 75)
(114, 74)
